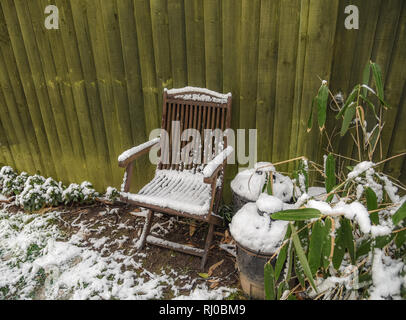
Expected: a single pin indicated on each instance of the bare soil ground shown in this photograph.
(122, 225)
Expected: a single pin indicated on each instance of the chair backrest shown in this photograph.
(192, 108)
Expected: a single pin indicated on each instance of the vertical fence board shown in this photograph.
(195, 42)
(134, 85)
(12, 120)
(213, 44)
(267, 68)
(285, 78)
(177, 42)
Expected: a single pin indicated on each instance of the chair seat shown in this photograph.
(182, 191)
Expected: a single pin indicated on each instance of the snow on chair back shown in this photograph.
(193, 108)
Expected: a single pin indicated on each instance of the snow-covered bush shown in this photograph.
(7, 177)
(81, 194)
(35, 192)
(112, 194)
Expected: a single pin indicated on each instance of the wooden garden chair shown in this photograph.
(190, 189)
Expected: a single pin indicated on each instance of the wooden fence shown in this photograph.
(73, 99)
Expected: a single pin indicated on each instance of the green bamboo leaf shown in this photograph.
(348, 238)
(374, 137)
(297, 214)
(350, 99)
(302, 257)
(400, 214)
(377, 73)
(339, 248)
(315, 247)
(326, 247)
(281, 289)
(299, 272)
(372, 204)
(322, 98)
(269, 278)
(310, 120)
(280, 261)
(400, 239)
(348, 117)
(369, 103)
(269, 185)
(365, 78)
(330, 173)
(383, 241)
(364, 248)
(204, 275)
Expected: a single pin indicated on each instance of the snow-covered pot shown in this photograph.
(247, 186)
(251, 268)
(257, 238)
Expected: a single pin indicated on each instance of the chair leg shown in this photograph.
(207, 245)
(146, 230)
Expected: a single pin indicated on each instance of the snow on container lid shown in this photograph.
(269, 204)
(248, 184)
(282, 187)
(264, 167)
(255, 232)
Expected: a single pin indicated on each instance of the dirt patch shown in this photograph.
(108, 227)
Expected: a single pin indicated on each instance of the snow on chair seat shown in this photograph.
(182, 191)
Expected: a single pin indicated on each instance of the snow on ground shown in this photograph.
(39, 261)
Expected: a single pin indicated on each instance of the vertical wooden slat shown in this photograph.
(52, 41)
(362, 54)
(6, 158)
(75, 81)
(267, 69)
(289, 16)
(298, 93)
(162, 52)
(231, 11)
(24, 71)
(12, 155)
(54, 136)
(213, 44)
(195, 43)
(12, 121)
(104, 83)
(319, 52)
(393, 137)
(398, 144)
(147, 63)
(88, 80)
(18, 94)
(177, 37)
(34, 34)
(341, 70)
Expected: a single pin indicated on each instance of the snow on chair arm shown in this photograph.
(214, 165)
(127, 156)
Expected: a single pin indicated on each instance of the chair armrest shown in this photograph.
(130, 155)
(214, 166)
